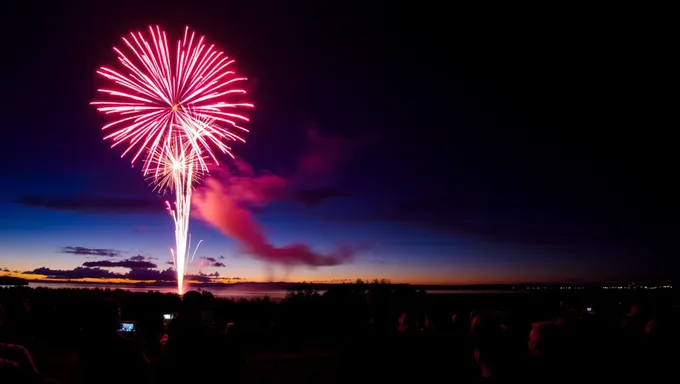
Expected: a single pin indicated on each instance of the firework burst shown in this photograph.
(175, 110)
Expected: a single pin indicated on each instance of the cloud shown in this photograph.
(76, 273)
(94, 204)
(129, 263)
(211, 262)
(221, 257)
(218, 206)
(167, 275)
(138, 258)
(202, 277)
(107, 252)
(216, 276)
(151, 274)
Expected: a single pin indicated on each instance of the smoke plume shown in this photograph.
(226, 200)
(216, 204)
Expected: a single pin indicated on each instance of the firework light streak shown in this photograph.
(173, 110)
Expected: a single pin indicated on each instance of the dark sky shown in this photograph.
(513, 143)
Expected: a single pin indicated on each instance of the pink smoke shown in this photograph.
(215, 205)
(224, 200)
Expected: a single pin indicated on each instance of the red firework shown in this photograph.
(163, 96)
(174, 109)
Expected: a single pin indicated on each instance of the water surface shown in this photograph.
(233, 292)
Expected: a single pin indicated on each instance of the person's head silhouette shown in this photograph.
(105, 316)
(192, 303)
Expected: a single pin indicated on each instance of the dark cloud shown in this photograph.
(151, 274)
(314, 197)
(91, 251)
(94, 204)
(216, 276)
(76, 273)
(202, 277)
(170, 262)
(211, 262)
(142, 258)
(207, 277)
(221, 257)
(129, 263)
(167, 275)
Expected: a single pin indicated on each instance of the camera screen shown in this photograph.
(167, 318)
(127, 327)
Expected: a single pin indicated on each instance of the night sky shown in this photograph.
(420, 144)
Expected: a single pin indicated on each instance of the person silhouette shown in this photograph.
(105, 355)
(190, 343)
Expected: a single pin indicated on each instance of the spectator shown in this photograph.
(192, 347)
(551, 355)
(18, 354)
(492, 347)
(231, 350)
(15, 353)
(105, 355)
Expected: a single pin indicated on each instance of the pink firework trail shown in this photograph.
(175, 110)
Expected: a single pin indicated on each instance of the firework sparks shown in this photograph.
(175, 110)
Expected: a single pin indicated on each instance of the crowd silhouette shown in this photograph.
(352, 332)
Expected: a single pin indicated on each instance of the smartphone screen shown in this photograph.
(589, 309)
(167, 318)
(127, 327)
